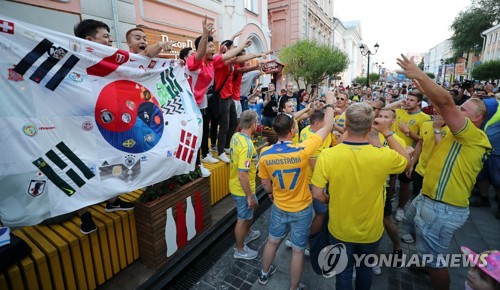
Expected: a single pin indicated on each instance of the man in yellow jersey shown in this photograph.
(390, 227)
(289, 108)
(356, 172)
(340, 107)
(443, 205)
(242, 184)
(282, 168)
(407, 126)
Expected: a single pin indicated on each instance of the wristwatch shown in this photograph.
(437, 131)
(329, 106)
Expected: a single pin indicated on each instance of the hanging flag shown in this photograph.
(81, 122)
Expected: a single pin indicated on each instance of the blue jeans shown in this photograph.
(267, 121)
(363, 272)
(434, 224)
(300, 223)
(242, 210)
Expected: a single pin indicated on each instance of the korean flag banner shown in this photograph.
(81, 122)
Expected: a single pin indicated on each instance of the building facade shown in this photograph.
(179, 21)
(491, 45)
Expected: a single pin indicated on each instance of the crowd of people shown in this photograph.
(340, 153)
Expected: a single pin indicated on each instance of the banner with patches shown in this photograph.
(82, 122)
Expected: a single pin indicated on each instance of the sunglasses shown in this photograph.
(343, 99)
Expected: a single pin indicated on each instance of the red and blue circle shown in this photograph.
(129, 116)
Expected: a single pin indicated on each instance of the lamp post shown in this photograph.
(379, 71)
(444, 71)
(365, 51)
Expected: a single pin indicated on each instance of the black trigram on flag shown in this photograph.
(46, 169)
(55, 54)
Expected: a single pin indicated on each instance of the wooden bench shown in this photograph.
(64, 258)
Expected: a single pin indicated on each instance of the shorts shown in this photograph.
(242, 210)
(403, 178)
(237, 106)
(299, 222)
(319, 207)
(435, 225)
(490, 171)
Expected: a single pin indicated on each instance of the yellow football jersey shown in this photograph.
(454, 165)
(295, 138)
(285, 165)
(428, 145)
(307, 133)
(243, 158)
(384, 142)
(356, 175)
(414, 121)
(341, 120)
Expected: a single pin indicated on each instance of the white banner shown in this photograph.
(82, 122)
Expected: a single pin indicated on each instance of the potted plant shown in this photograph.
(170, 214)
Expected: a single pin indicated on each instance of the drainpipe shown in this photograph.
(116, 21)
(307, 19)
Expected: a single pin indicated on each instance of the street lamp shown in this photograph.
(379, 71)
(443, 73)
(365, 51)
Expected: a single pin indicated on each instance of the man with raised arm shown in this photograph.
(443, 204)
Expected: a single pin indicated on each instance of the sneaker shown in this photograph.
(209, 159)
(87, 224)
(213, 148)
(246, 254)
(227, 150)
(398, 258)
(204, 172)
(263, 278)
(376, 270)
(302, 286)
(288, 243)
(307, 252)
(407, 238)
(223, 157)
(400, 215)
(118, 205)
(252, 236)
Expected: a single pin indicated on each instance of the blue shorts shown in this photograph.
(435, 225)
(242, 210)
(299, 222)
(491, 170)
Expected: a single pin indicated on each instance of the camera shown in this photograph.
(466, 84)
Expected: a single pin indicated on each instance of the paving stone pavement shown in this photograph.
(480, 232)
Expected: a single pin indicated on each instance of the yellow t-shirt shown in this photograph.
(414, 121)
(356, 174)
(243, 158)
(341, 120)
(307, 133)
(285, 164)
(454, 165)
(295, 138)
(384, 142)
(428, 145)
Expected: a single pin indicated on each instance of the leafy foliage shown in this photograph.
(374, 77)
(469, 24)
(311, 62)
(431, 75)
(168, 186)
(489, 70)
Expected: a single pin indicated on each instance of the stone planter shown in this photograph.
(171, 220)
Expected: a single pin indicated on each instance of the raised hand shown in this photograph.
(409, 68)
(208, 28)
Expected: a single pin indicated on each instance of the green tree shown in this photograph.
(374, 77)
(487, 71)
(431, 75)
(468, 25)
(359, 80)
(311, 62)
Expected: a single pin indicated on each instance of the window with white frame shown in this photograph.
(252, 5)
